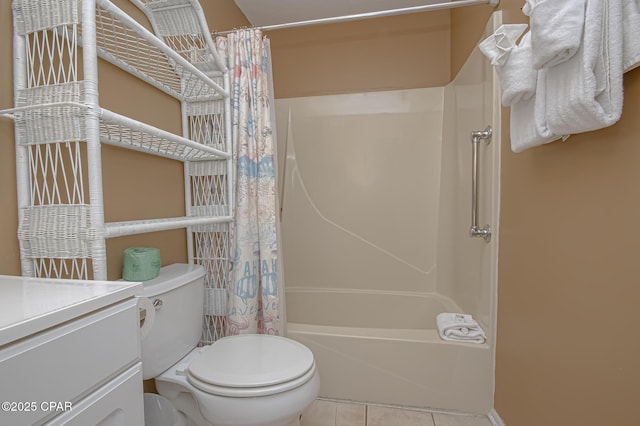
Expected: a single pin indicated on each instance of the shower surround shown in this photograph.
(376, 196)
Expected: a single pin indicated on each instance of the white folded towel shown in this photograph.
(459, 328)
(556, 29)
(631, 34)
(584, 93)
(499, 44)
(525, 130)
(512, 62)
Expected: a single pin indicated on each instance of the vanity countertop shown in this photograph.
(29, 305)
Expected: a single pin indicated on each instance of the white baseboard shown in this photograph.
(495, 418)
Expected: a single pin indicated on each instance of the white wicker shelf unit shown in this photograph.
(59, 126)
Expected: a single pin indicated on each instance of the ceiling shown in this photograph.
(271, 12)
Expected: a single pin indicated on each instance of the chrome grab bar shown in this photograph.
(477, 137)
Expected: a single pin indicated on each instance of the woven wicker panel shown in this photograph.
(35, 15)
(184, 36)
(55, 114)
(63, 92)
(211, 243)
(210, 210)
(174, 17)
(60, 123)
(57, 231)
(204, 108)
(208, 180)
(206, 168)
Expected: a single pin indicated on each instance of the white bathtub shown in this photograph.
(390, 351)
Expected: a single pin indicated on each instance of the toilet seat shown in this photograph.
(251, 365)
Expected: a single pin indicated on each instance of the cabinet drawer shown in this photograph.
(118, 403)
(67, 362)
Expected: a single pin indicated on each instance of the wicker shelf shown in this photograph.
(124, 132)
(128, 45)
(60, 126)
(115, 129)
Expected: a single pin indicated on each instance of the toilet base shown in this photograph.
(203, 409)
(186, 405)
(191, 416)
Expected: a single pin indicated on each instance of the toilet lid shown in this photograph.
(250, 361)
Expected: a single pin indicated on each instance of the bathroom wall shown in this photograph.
(361, 189)
(136, 185)
(398, 52)
(9, 255)
(568, 276)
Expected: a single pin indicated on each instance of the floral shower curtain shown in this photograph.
(256, 284)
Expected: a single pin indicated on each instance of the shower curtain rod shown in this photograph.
(378, 14)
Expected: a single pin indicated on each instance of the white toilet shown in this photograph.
(238, 380)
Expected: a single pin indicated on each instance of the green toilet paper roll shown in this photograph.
(140, 263)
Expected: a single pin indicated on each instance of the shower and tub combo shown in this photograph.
(376, 194)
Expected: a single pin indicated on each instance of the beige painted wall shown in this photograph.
(400, 52)
(568, 255)
(136, 185)
(568, 277)
(9, 255)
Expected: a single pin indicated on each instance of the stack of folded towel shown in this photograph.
(459, 328)
(584, 92)
(519, 82)
(565, 74)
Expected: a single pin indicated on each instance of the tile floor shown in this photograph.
(335, 413)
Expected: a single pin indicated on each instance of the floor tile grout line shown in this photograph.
(366, 415)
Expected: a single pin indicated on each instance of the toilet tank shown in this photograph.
(178, 294)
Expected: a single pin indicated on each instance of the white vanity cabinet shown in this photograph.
(69, 352)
